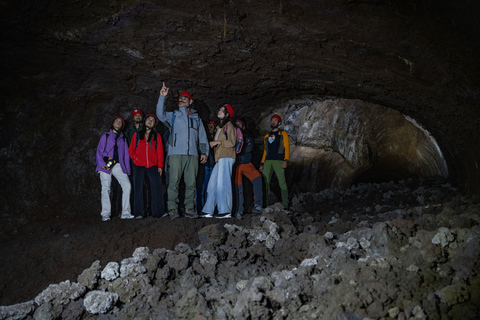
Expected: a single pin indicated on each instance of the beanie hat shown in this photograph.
(276, 116)
(186, 94)
(136, 111)
(151, 115)
(121, 118)
(229, 109)
(212, 122)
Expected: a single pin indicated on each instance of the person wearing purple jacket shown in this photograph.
(113, 159)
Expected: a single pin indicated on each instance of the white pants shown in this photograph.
(106, 180)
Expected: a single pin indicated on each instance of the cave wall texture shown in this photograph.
(69, 66)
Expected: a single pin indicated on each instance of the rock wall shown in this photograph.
(338, 142)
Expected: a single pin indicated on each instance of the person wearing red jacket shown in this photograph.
(146, 151)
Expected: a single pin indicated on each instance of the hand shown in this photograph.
(203, 159)
(214, 143)
(164, 90)
(260, 168)
(160, 170)
(284, 165)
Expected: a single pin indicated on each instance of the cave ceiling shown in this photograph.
(69, 66)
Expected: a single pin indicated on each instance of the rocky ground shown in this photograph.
(406, 250)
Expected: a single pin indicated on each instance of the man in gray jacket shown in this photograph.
(187, 139)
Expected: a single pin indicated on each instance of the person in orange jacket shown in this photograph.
(275, 158)
(146, 151)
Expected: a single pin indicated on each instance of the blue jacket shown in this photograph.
(105, 149)
(187, 134)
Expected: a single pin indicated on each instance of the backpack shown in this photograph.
(239, 144)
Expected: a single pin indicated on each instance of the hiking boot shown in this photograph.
(223, 215)
(257, 210)
(190, 213)
(239, 215)
(173, 214)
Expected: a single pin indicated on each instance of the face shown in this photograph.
(211, 128)
(184, 101)
(274, 122)
(117, 124)
(138, 117)
(150, 122)
(221, 113)
(239, 124)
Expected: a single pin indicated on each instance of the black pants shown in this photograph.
(157, 203)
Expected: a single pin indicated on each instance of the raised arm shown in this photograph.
(165, 117)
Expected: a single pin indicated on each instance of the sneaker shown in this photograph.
(105, 218)
(239, 215)
(190, 213)
(173, 214)
(257, 210)
(164, 214)
(139, 217)
(127, 216)
(223, 215)
(206, 215)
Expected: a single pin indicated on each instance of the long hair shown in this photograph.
(141, 134)
(224, 121)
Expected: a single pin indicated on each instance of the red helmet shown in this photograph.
(238, 120)
(151, 115)
(121, 118)
(136, 111)
(186, 94)
(229, 109)
(276, 116)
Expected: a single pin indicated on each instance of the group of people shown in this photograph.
(139, 151)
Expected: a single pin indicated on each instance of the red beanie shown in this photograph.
(276, 116)
(229, 109)
(186, 94)
(136, 111)
(212, 122)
